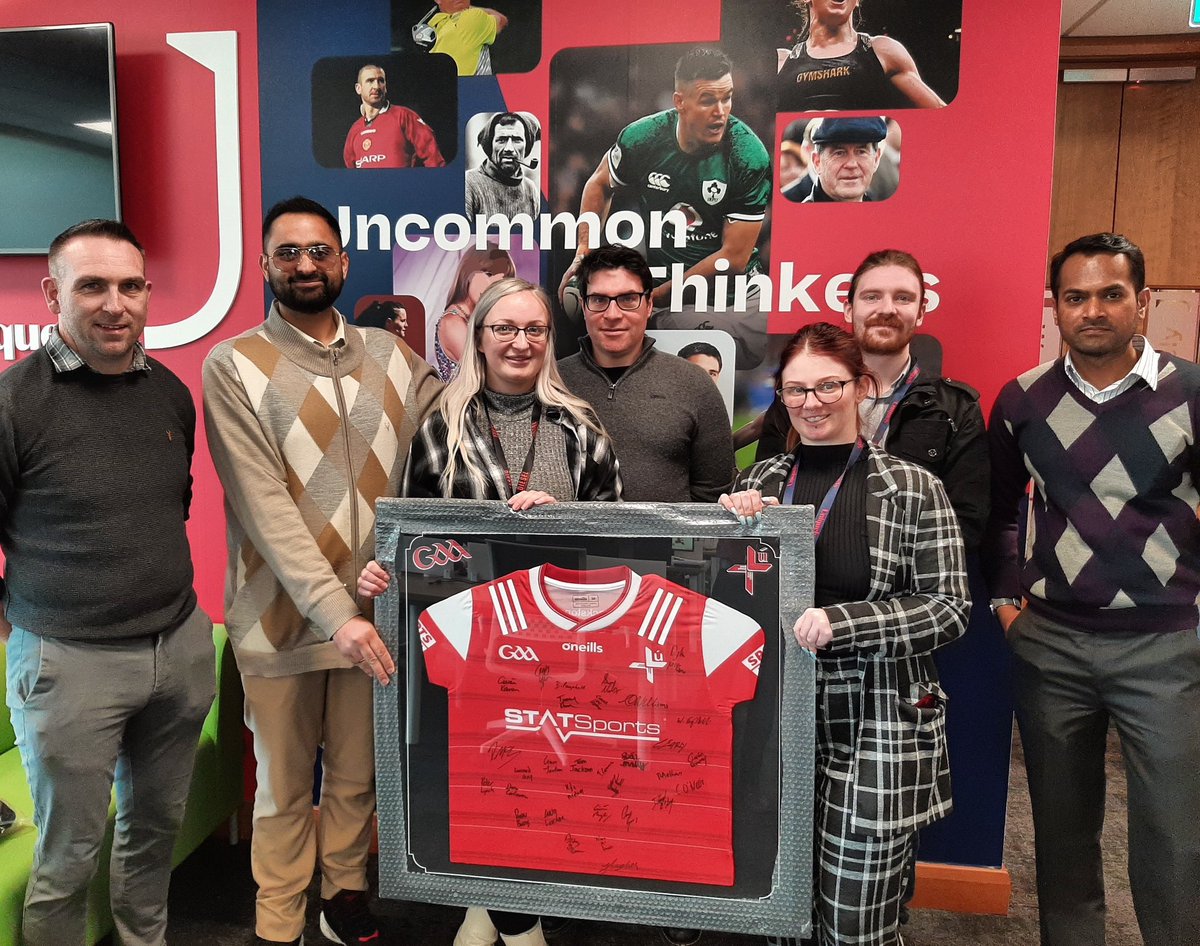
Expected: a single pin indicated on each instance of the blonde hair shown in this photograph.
(457, 397)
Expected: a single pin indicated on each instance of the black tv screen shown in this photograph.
(58, 132)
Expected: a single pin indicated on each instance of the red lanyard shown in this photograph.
(498, 450)
(827, 503)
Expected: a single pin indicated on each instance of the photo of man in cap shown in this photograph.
(846, 153)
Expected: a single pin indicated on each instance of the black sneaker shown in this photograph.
(345, 919)
(679, 936)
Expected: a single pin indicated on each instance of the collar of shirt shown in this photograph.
(64, 358)
(886, 396)
(339, 337)
(1145, 368)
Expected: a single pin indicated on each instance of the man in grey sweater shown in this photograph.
(110, 660)
(664, 415)
(666, 418)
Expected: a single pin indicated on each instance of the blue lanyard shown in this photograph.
(893, 402)
(827, 503)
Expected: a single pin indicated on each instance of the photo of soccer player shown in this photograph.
(382, 112)
(696, 161)
(503, 154)
(482, 39)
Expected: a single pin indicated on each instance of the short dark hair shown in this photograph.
(368, 65)
(613, 256)
(703, 62)
(887, 258)
(701, 348)
(1113, 244)
(488, 132)
(300, 205)
(109, 229)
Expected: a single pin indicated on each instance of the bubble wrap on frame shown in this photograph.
(787, 910)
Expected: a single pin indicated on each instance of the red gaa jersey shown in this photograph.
(394, 138)
(590, 722)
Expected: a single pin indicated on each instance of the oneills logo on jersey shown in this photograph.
(758, 562)
(567, 725)
(425, 557)
(753, 662)
(713, 191)
(654, 661)
(427, 639)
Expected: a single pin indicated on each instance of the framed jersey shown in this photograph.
(592, 718)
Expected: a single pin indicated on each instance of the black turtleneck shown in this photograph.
(843, 557)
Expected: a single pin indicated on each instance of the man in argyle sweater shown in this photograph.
(1101, 615)
(309, 420)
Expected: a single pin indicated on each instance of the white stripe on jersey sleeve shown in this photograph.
(669, 624)
(612, 171)
(452, 620)
(723, 631)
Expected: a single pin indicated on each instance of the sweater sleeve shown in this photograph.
(1010, 479)
(932, 609)
(254, 478)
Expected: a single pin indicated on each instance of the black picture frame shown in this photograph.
(773, 737)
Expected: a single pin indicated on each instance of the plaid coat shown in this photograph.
(918, 601)
(590, 458)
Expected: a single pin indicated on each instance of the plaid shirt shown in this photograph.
(64, 358)
(918, 601)
(590, 457)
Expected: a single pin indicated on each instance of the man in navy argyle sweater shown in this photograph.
(1101, 615)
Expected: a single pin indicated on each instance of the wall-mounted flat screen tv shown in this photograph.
(58, 132)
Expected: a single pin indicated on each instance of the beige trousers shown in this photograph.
(290, 718)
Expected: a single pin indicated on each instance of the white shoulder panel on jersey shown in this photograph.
(452, 617)
(724, 630)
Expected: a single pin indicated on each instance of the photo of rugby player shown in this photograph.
(696, 165)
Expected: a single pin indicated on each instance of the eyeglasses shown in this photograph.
(627, 301)
(504, 332)
(320, 254)
(826, 392)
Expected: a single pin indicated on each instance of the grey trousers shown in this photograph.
(1069, 684)
(85, 712)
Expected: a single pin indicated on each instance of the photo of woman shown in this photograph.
(477, 269)
(834, 66)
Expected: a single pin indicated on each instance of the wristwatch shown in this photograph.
(996, 603)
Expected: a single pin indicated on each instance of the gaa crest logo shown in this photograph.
(438, 554)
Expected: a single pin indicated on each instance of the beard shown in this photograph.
(875, 343)
(307, 299)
